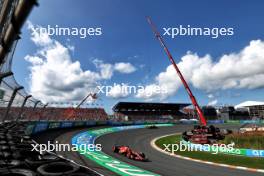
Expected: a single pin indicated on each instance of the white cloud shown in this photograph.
(55, 77)
(118, 91)
(236, 70)
(212, 103)
(124, 67)
(40, 39)
(35, 60)
(106, 69)
(210, 96)
(152, 91)
(71, 47)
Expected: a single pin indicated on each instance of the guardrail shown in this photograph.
(39, 126)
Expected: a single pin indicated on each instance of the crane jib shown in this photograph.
(186, 86)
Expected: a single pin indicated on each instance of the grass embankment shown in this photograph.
(217, 158)
(246, 140)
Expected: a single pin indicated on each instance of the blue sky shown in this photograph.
(128, 38)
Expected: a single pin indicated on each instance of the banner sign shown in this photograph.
(41, 126)
(66, 124)
(54, 125)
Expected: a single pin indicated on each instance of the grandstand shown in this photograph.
(254, 108)
(230, 113)
(148, 111)
(209, 112)
(53, 113)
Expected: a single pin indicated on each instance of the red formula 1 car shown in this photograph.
(129, 153)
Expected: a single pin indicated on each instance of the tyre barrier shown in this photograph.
(39, 160)
(18, 159)
(57, 169)
(17, 172)
(4, 164)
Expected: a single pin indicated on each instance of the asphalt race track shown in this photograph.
(161, 163)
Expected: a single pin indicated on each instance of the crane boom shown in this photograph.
(193, 99)
(94, 96)
(71, 112)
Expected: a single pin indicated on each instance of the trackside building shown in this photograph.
(149, 111)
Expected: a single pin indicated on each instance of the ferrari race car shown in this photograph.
(129, 153)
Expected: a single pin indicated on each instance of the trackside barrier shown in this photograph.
(90, 123)
(35, 127)
(29, 129)
(54, 125)
(147, 123)
(139, 123)
(250, 121)
(66, 124)
(114, 123)
(215, 121)
(107, 161)
(128, 123)
(232, 121)
(101, 122)
(79, 124)
(234, 151)
(245, 121)
(188, 122)
(41, 126)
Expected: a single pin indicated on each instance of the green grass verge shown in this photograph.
(217, 158)
(246, 140)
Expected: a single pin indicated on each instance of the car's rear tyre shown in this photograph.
(115, 149)
(142, 155)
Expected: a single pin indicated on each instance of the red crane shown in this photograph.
(70, 113)
(193, 99)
